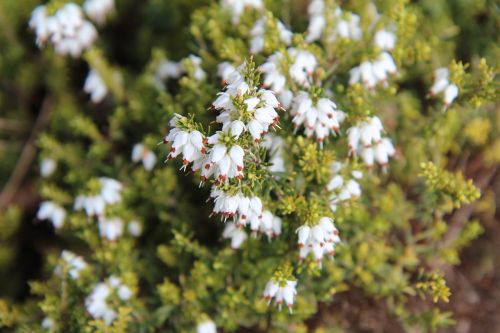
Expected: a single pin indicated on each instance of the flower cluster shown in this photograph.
(194, 62)
(238, 7)
(97, 302)
(258, 33)
(281, 291)
(319, 239)
(320, 116)
(110, 228)
(244, 211)
(346, 24)
(74, 264)
(341, 187)
(443, 85)
(94, 205)
(67, 29)
(366, 140)
(385, 40)
(243, 109)
(371, 73)
(302, 65)
(185, 140)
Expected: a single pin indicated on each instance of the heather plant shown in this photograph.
(225, 165)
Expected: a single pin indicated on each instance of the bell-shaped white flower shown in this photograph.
(320, 119)
(371, 73)
(191, 144)
(385, 40)
(281, 292)
(318, 239)
(74, 263)
(53, 212)
(443, 85)
(206, 326)
(95, 86)
(98, 10)
(347, 25)
(235, 233)
(111, 229)
(303, 65)
(142, 154)
(47, 167)
(134, 228)
(258, 35)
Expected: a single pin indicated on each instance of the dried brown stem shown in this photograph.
(26, 157)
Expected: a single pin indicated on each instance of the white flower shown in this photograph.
(235, 233)
(124, 292)
(67, 30)
(51, 211)
(96, 303)
(385, 40)
(95, 86)
(317, 21)
(224, 70)
(371, 73)
(318, 239)
(341, 187)
(75, 263)
(97, 306)
(47, 167)
(320, 118)
(346, 26)
(198, 73)
(111, 229)
(188, 143)
(110, 190)
(95, 205)
(281, 292)
(134, 228)
(225, 162)
(144, 155)
(366, 140)
(275, 146)
(98, 10)
(450, 93)
(303, 65)
(258, 33)
(48, 323)
(206, 326)
(238, 7)
(167, 69)
(239, 207)
(442, 84)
